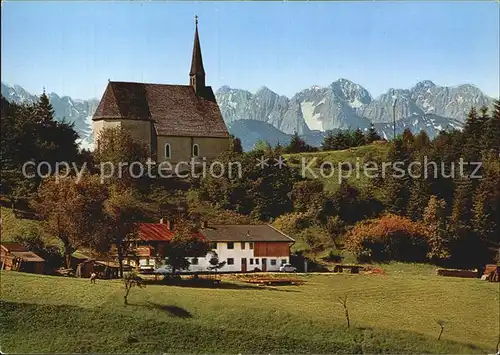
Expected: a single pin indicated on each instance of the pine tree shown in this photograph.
(471, 122)
(358, 138)
(491, 133)
(397, 180)
(329, 142)
(298, 145)
(486, 204)
(44, 109)
(472, 134)
(278, 148)
(372, 135)
(465, 248)
(496, 109)
(461, 215)
(342, 140)
(434, 219)
(408, 138)
(235, 145)
(421, 141)
(419, 198)
(484, 115)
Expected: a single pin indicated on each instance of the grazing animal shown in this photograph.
(93, 277)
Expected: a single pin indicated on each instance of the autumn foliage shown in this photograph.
(390, 237)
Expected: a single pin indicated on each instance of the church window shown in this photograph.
(196, 150)
(168, 152)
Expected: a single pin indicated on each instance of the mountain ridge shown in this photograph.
(311, 112)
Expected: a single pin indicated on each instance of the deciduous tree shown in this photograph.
(72, 211)
(186, 242)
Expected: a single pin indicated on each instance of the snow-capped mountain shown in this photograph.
(345, 104)
(78, 112)
(310, 112)
(428, 122)
(453, 102)
(381, 109)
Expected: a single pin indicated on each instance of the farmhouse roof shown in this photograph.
(27, 256)
(176, 110)
(11, 247)
(244, 233)
(157, 232)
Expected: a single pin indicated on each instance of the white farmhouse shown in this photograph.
(243, 247)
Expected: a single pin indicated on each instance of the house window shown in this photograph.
(230, 261)
(273, 261)
(168, 151)
(194, 261)
(257, 261)
(214, 246)
(283, 261)
(230, 245)
(251, 261)
(196, 150)
(250, 245)
(243, 245)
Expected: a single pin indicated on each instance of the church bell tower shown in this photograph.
(197, 73)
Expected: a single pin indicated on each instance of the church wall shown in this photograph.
(181, 147)
(140, 130)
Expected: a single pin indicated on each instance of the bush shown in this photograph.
(390, 237)
(292, 223)
(307, 194)
(222, 216)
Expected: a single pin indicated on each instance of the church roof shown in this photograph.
(176, 110)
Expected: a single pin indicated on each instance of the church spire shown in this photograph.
(197, 73)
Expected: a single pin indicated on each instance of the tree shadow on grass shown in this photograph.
(201, 283)
(174, 311)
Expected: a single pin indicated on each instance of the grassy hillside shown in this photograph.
(373, 152)
(389, 314)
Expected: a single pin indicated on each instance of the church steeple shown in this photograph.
(197, 73)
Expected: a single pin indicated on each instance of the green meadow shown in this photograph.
(393, 313)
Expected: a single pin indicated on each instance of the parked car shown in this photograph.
(164, 270)
(288, 268)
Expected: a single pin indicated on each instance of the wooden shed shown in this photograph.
(492, 272)
(105, 268)
(17, 257)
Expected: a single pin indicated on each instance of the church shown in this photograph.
(177, 123)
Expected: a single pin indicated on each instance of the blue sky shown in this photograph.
(73, 48)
